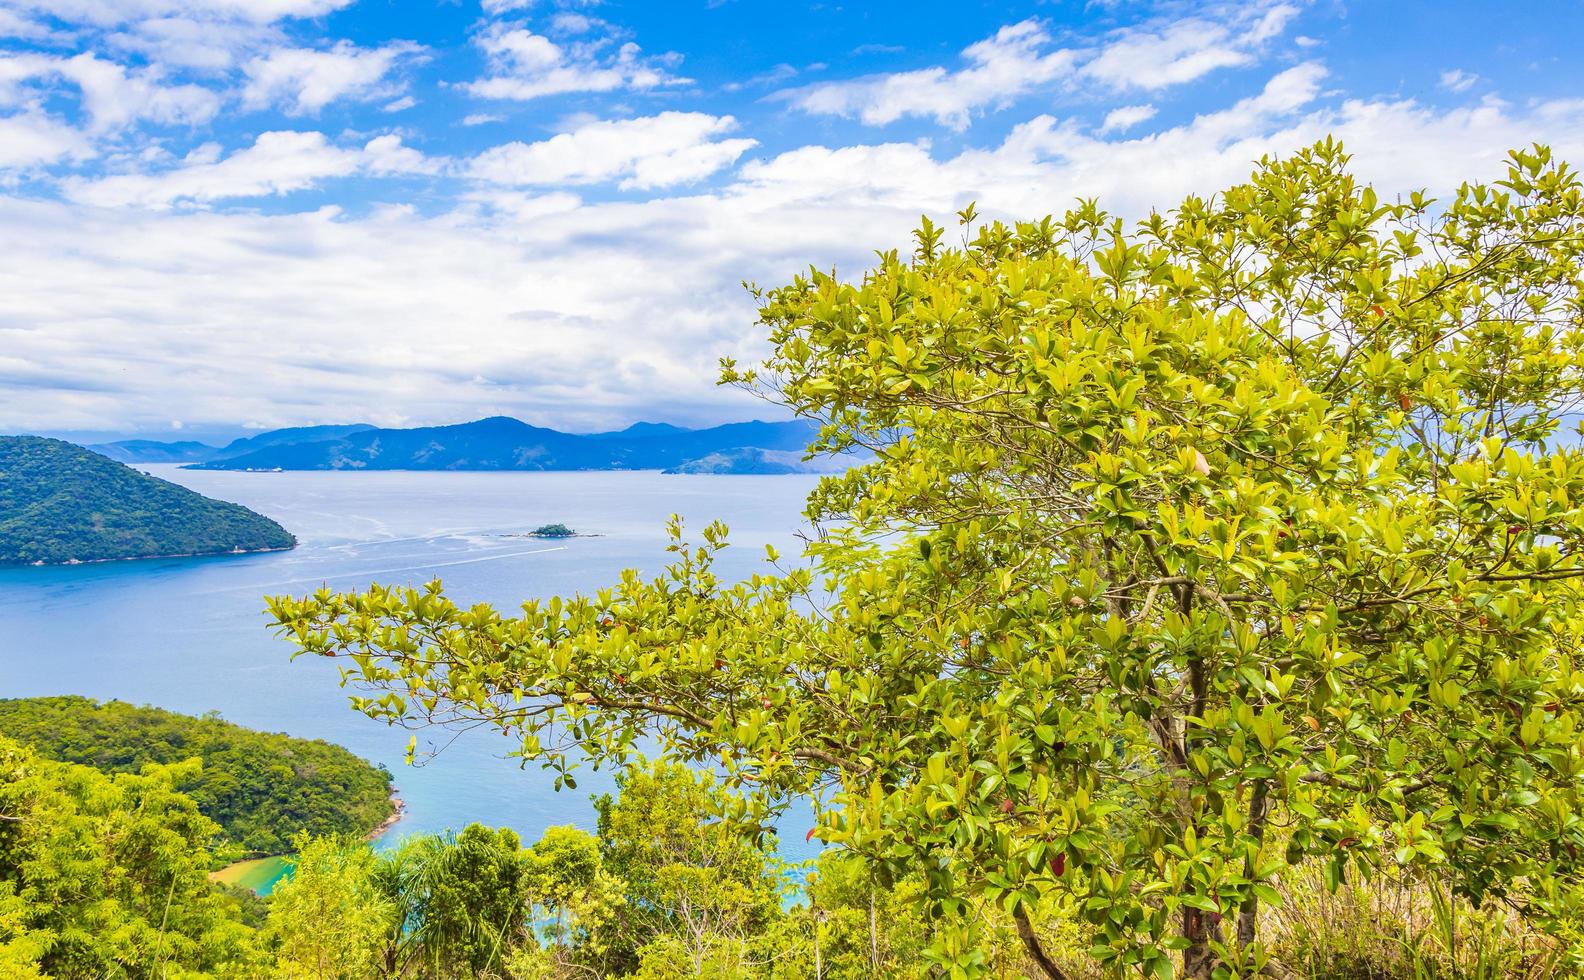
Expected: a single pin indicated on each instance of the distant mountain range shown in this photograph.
(501, 444)
(150, 451)
(61, 504)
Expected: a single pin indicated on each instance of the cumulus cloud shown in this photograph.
(525, 65)
(305, 80)
(30, 140)
(1019, 59)
(571, 22)
(999, 68)
(206, 35)
(656, 151)
(22, 27)
(388, 156)
(1458, 80)
(1126, 117)
(113, 13)
(112, 96)
(1157, 57)
(277, 163)
(505, 302)
(192, 42)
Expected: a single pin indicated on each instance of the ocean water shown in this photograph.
(191, 635)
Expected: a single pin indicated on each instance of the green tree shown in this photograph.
(107, 876)
(862, 929)
(688, 877)
(1255, 514)
(575, 898)
(329, 919)
(21, 948)
(460, 902)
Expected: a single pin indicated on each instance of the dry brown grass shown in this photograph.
(1387, 929)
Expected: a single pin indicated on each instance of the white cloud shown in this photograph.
(525, 65)
(304, 80)
(400, 105)
(1458, 80)
(655, 151)
(207, 35)
(1181, 51)
(111, 95)
(277, 163)
(568, 22)
(386, 156)
(175, 307)
(21, 27)
(1019, 60)
(1126, 117)
(195, 42)
(113, 13)
(29, 140)
(999, 68)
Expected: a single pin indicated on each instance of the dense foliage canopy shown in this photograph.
(107, 876)
(1195, 556)
(663, 891)
(261, 788)
(104, 875)
(60, 502)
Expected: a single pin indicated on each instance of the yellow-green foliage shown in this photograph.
(107, 876)
(330, 919)
(1255, 514)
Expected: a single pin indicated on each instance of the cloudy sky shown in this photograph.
(228, 214)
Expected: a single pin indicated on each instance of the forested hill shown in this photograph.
(260, 787)
(60, 503)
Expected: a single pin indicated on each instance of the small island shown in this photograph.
(61, 504)
(550, 532)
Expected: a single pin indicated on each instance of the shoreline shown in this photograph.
(400, 808)
(73, 562)
(236, 872)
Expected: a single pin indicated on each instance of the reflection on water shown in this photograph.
(190, 635)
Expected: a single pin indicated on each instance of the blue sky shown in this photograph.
(229, 214)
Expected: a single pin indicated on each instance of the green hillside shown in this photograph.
(260, 787)
(60, 502)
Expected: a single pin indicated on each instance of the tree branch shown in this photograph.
(1031, 945)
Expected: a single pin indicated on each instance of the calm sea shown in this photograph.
(190, 635)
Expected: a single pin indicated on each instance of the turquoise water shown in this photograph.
(190, 635)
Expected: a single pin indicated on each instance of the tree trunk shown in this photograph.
(1032, 945)
(1199, 961)
(819, 960)
(1199, 930)
(874, 934)
(1248, 915)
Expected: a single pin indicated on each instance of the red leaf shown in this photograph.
(810, 835)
